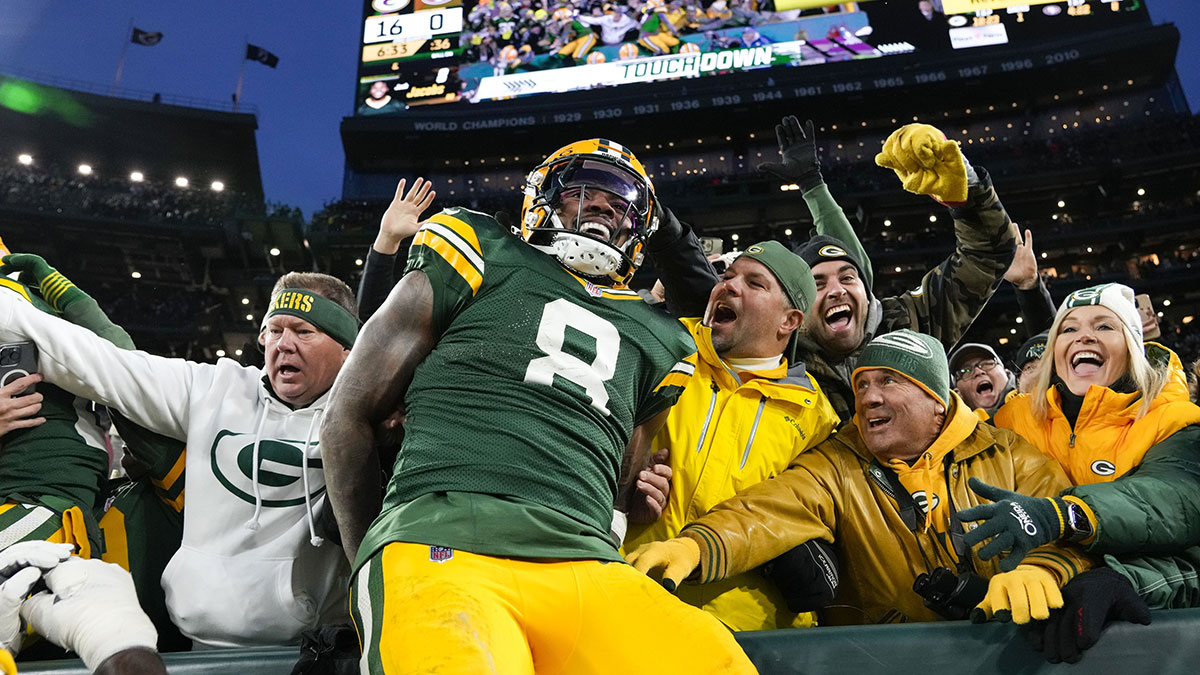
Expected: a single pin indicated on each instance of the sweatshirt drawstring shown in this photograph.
(253, 524)
(308, 507)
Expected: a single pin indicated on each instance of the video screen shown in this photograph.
(436, 52)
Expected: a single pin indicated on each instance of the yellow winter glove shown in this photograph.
(1028, 592)
(926, 162)
(677, 558)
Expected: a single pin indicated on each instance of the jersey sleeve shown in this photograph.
(667, 391)
(447, 250)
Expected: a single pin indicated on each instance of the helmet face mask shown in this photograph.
(591, 206)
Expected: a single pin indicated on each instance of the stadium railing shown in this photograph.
(1165, 647)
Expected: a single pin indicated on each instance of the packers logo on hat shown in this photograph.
(905, 343)
(832, 251)
(755, 249)
(1087, 296)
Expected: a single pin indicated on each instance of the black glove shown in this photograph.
(799, 149)
(669, 228)
(1090, 600)
(806, 576)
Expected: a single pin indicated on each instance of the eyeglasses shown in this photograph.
(982, 366)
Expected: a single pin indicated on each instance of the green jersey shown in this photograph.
(529, 398)
(65, 457)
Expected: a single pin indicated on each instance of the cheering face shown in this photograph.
(1090, 349)
(837, 320)
(378, 91)
(897, 418)
(749, 313)
(599, 214)
(302, 362)
(981, 381)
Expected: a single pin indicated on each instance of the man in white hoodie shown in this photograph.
(252, 569)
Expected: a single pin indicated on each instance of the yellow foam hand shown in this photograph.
(925, 162)
(675, 558)
(1026, 593)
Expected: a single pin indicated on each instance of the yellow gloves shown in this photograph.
(677, 558)
(1028, 592)
(926, 162)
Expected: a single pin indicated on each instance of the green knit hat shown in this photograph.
(794, 275)
(917, 356)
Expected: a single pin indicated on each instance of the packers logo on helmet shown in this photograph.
(600, 237)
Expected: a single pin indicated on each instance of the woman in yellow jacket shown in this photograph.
(1115, 413)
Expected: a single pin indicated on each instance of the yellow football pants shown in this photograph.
(423, 609)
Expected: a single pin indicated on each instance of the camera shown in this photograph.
(950, 594)
(17, 360)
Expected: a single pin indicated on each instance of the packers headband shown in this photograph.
(330, 317)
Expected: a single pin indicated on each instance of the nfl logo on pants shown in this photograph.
(440, 554)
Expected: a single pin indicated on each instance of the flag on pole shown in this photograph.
(144, 38)
(256, 53)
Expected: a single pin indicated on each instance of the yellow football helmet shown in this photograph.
(605, 251)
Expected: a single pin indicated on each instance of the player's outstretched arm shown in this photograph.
(371, 386)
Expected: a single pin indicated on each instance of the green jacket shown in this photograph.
(949, 298)
(1149, 522)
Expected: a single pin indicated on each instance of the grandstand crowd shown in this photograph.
(408, 476)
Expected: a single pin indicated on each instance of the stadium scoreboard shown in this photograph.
(424, 52)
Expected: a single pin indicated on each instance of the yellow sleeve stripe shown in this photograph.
(168, 481)
(54, 286)
(460, 228)
(680, 373)
(431, 240)
(176, 503)
(674, 380)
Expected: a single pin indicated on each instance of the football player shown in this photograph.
(533, 380)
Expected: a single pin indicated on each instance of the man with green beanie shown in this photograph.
(886, 490)
(747, 412)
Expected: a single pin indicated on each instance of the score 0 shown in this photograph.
(416, 26)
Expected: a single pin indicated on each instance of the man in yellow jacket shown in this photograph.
(743, 417)
(886, 489)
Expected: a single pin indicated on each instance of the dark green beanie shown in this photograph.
(917, 356)
(794, 275)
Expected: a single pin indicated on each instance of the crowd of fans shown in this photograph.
(58, 190)
(516, 32)
(854, 375)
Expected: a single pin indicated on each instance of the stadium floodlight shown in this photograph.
(136, 275)
(245, 301)
(1043, 254)
(25, 158)
(899, 268)
(274, 251)
(1141, 192)
(137, 176)
(85, 169)
(1061, 204)
(358, 262)
(1166, 302)
(237, 352)
(932, 218)
(1187, 319)
(250, 317)
(887, 222)
(181, 182)
(220, 353)
(1089, 249)
(787, 232)
(734, 236)
(217, 186)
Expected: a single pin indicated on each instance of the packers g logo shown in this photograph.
(755, 249)
(922, 501)
(1103, 467)
(388, 6)
(904, 342)
(1086, 296)
(832, 251)
(280, 469)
